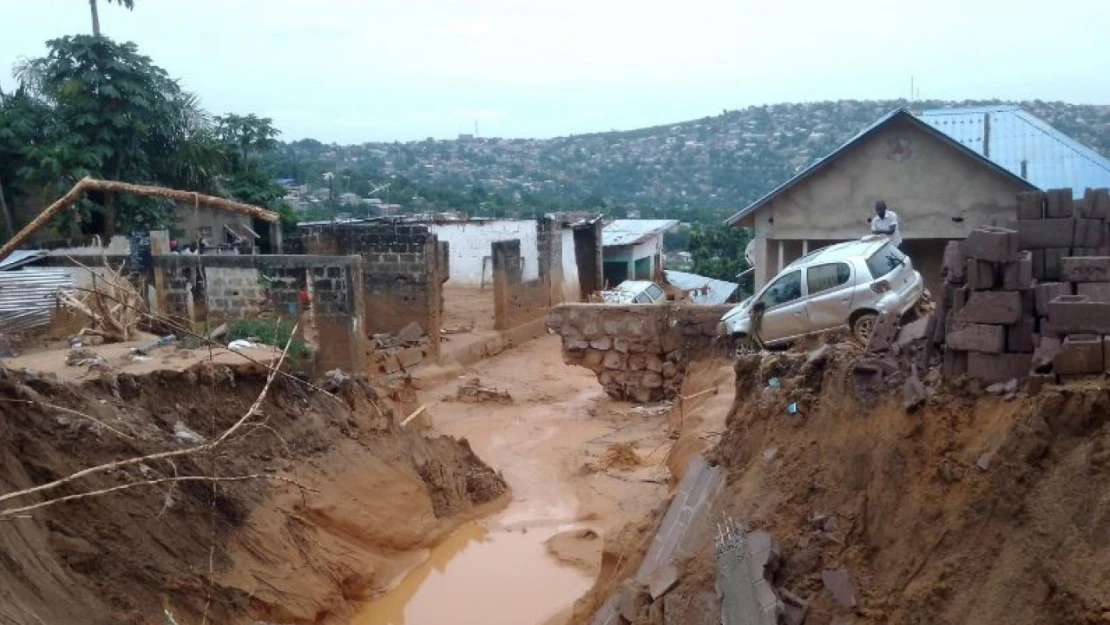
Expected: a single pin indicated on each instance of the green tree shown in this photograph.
(718, 251)
(128, 4)
(115, 114)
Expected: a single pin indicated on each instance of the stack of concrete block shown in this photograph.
(986, 311)
(1074, 331)
(1031, 296)
(1053, 226)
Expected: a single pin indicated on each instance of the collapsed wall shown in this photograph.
(638, 351)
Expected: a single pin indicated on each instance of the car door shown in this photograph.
(828, 295)
(784, 312)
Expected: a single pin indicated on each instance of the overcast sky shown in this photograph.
(369, 70)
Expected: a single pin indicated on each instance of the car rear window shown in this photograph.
(884, 261)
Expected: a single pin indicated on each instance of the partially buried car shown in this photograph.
(846, 285)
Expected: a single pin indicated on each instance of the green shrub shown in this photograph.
(274, 332)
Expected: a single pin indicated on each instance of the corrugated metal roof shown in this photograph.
(27, 297)
(703, 290)
(1024, 145)
(18, 258)
(882, 121)
(633, 231)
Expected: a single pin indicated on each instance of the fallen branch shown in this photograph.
(155, 482)
(205, 447)
(110, 186)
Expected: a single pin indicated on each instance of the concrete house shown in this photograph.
(633, 249)
(945, 172)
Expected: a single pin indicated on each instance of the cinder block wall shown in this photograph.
(403, 271)
(218, 289)
(638, 351)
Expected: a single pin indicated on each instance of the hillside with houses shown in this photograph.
(710, 165)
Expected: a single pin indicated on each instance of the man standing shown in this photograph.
(885, 222)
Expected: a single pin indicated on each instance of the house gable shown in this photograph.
(938, 188)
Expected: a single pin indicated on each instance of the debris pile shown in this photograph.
(398, 352)
(472, 391)
(112, 308)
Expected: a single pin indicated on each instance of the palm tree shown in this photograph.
(128, 4)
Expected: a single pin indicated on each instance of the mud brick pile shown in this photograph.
(1030, 296)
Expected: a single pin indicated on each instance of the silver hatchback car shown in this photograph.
(845, 285)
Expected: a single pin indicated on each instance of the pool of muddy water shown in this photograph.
(482, 576)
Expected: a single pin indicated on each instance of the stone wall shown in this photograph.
(404, 268)
(216, 289)
(639, 352)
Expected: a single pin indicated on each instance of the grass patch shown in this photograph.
(274, 332)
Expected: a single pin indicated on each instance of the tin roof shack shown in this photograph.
(944, 172)
(633, 249)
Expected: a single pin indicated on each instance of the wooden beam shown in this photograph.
(110, 186)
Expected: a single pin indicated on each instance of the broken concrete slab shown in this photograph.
(662, 581)
(839, 583)
(702, 608)
(765, 553)
(913, 331)
(882, 336)
(634, 595)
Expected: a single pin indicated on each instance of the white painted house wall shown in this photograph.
(571, 289)
(469, 243)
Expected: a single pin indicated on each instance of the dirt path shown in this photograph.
(580, 467)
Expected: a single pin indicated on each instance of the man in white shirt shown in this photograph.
(885, 222)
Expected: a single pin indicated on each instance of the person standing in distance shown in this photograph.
(885, 222)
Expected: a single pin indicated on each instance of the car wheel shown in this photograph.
(863, 326)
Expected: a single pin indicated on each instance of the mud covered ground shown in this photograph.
(374, 497)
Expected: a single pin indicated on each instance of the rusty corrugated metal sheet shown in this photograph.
(27, 297)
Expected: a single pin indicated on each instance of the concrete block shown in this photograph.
(1080, 354)
(1089, 233)
(1017, 275)
(954, 267)
(1052, 262)
(1045, 233)
(1099, 204)
(1094, 291)
(1019, 337)
(959, 299)
(977, 337)
(954, 363)
(981, 275)
(1045, 292)
(1058, 203)
(1030, 205)
(998, 367)
(1077, 314)
(614, 360)
(992, 307)
(1085, 269)
(991, 243)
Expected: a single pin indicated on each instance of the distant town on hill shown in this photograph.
(704, 168)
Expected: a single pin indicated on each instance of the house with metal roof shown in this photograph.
(632, 249)
(944, 172)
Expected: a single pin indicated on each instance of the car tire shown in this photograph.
(862, 327)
